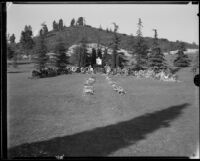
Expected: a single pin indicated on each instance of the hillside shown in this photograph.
(73, 35)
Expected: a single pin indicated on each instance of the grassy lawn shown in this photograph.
(50, 116)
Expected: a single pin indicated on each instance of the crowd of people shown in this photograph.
(163, 75)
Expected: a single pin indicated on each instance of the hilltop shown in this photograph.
(73, 35)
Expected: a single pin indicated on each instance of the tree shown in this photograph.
(139, 31)
(10, 52)
(60, 25)
(55, 26)
(26, 39)
(93, 59)
(156, 59)
(181, 46)
(41, 49)
(182, 59)
(44, 28)
(155, 40)
(12, 38)
(83, 52)
(75, 56)
(72, 22)
(11, 46)
(140, 48)
(62, 60)
(115, 45)
(80, 21)
(99, 53)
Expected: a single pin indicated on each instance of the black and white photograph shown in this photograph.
(102, 80)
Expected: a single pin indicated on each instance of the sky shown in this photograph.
(173, 22)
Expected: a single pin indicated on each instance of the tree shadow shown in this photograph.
(15, 71)
(103, 140)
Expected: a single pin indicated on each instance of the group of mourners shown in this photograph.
(52, 71)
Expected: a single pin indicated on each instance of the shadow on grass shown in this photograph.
(15, 71)
(103, 140)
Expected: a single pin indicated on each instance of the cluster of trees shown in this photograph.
(154, 58)
(25, 46)
(80, 22)
(11, 49)
(42, 60)
(58, 26)
(145, 58)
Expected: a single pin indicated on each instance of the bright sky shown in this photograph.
(174, 22)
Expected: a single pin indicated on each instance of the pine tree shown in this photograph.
(62, 60)
(156, 59)
(55, 26)
(12, 50)
(118, 61)
(41, 49)
(83, 52)
(26, 40)
(115, 45)
(44, 28)
(12, 38)
(60, 25)
(140, 48)
(93, 61)
(74, 58)
(72, 22)
(80, 21)
(104, 58)
(99, 53)
(182, 59)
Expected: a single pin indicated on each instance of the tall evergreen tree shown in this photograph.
(156, 59)
(99, 53)
(140, 48)
(75, 57)
(115, 45)
(80, 21)
(44, 28)
(93, 57)
(60, 24)
(12, 38)
(182, 59)
(83, 52)
(72, 22)
(62, 60)
(26, 40)
(41, 49)
(55, 26)
(12, 50)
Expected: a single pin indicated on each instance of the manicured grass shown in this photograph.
(53, 116)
